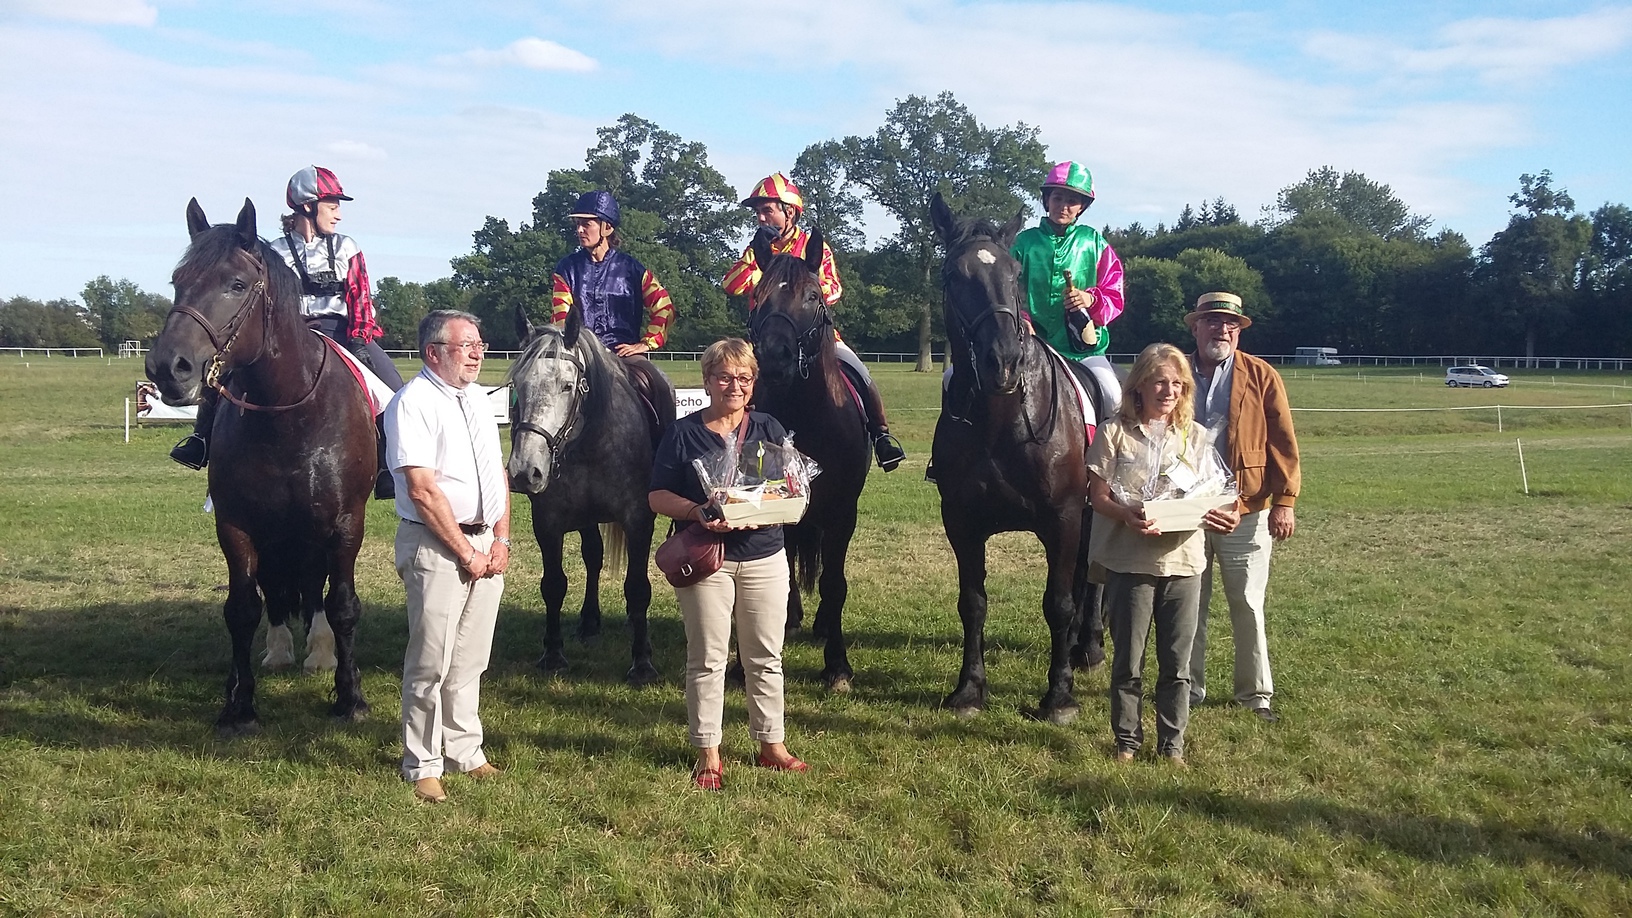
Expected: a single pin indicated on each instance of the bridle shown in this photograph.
(967, 330)
(223, 339)
(808, 341)
(556, 442)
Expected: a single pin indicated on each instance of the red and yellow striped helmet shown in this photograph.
(777, 187)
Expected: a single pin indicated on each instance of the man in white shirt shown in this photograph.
(453, 545)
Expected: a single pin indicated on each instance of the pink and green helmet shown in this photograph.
(1071, 177)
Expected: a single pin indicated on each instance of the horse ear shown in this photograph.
(247, 237)
(761, 247)
(196, 221)
(940, 216)
(1011, 229)
(813, 251)
(524, 327)
(575, 324)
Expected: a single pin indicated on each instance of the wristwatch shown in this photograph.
(502, 540)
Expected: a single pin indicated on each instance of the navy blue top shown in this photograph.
(687, 439)
(608, 293)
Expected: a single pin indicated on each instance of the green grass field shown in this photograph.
(1451, 660)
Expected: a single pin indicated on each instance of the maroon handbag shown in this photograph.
(691, 554)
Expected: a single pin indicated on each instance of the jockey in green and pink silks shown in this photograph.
(1072, 277)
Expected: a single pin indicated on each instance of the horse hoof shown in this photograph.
(1087, 662)
(553, 663)
(734, 676)
(839, 685)
(351, 714)
(966, 712)
(235, 729)
(641, 675)
(1062, 717)
(314, 667)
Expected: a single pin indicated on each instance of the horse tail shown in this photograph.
(806, 545)
(617, 549)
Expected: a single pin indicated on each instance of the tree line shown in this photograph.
(1337, 261)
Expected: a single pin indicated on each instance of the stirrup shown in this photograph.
(929, 472)
(193, 451)
(888, 451)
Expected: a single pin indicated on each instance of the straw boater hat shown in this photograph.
(1225, 303)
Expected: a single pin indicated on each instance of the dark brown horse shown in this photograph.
(581, 449)
(292, 454)
(801, 385)
(1009, 456)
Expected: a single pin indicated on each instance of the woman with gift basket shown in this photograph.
(1154, 482)
(722, 464)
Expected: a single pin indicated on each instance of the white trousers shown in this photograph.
(1242, 560)
(450, 638)
(754, 594)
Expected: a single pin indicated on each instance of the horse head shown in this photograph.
(552, 380)
(791, 327)
(985, 322)
(222, 282)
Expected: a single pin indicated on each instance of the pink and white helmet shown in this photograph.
(313, 183)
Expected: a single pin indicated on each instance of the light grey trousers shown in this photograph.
(1132, 603)
(753, 595)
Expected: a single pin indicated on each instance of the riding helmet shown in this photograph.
(777, 187)
(313, 183)
(598, 204)
(1071, 177)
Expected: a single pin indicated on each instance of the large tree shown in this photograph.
(930, 145)
(31, 323)
(121, 311)
(1371, 206)
(680, 219)
(1531, 270)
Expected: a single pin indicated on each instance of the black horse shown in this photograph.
(1009, 456)
(801, 385)
(292, 468)
(581, 448)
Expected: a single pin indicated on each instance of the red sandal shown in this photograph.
(711, 779)
(791, 763)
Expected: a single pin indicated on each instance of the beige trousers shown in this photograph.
(754, 594)
(450, 637)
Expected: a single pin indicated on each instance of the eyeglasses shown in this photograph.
(725, 380)
(475, 347)
(1228, 323)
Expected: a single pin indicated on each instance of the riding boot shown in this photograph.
(194, 449)
(385, 486)
(886, 449)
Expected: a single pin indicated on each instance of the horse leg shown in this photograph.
(969, 548)
(320, 642)
(1089, 651)
(835, 589)
(280, 644)
(637, 599)
(552, 586)
(594, 554)
(1059, 706)
(796, 599)
(242, 612)
(344, 610)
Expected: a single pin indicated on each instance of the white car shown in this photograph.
(1484, 377)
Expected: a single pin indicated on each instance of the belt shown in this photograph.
(466, 528)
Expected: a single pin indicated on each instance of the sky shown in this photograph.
(113, 113)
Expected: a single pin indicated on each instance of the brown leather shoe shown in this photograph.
(1122, 756)
(1175, 759)
(484, 770)
(430, 790)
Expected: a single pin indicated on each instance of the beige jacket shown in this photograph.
(1263, 449)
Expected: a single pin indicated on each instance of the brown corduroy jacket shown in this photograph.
(1263, 449)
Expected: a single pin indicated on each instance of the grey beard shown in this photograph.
(1217, 351)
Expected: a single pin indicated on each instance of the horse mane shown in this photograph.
(786, 269)
(598, 367)
(969, 229)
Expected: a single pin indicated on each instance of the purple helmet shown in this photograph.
(597, 204)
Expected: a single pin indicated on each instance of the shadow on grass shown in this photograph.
(1414, 835)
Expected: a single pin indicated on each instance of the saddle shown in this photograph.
(854, 384)
(1083, 382)
(645, 376)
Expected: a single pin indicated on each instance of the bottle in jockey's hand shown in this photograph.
(1082, 327)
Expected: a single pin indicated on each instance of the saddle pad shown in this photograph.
(1090, 421)
(374, 388)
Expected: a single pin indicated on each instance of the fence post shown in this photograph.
(1499, 419)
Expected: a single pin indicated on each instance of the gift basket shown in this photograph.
(760, 484)
(1175, 477)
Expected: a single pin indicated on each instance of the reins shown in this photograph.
(808, 340)
(968, 330)
(217, 369)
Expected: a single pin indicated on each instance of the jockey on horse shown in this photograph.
(622, 302)
(335, 299)
(777, 205)
(1072, 279)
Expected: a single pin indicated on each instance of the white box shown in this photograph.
(1180, 514)
(768, 512)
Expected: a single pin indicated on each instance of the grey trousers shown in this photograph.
(1132, 603)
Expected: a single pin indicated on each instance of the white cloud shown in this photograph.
(534, 54)
(93, 12)
(1494, 50)
(355, 149)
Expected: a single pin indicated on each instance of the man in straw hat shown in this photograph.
(1242, 401)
